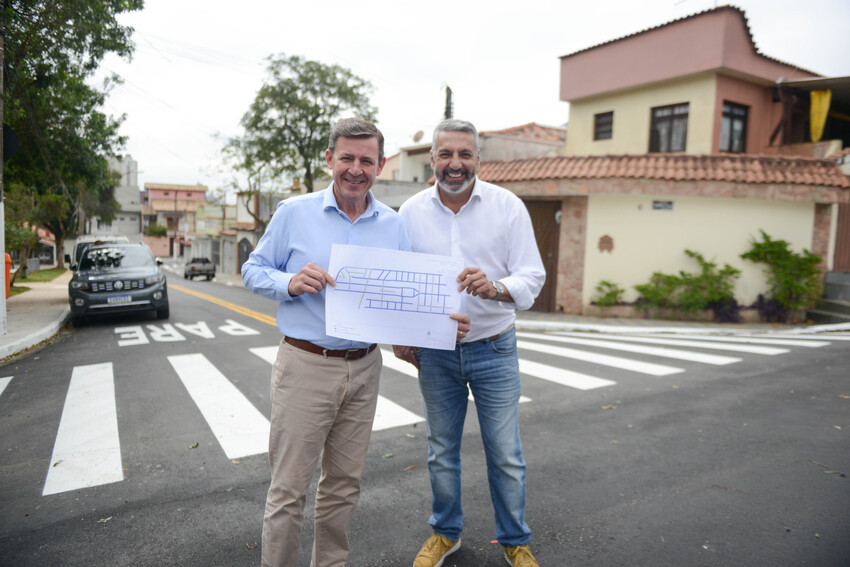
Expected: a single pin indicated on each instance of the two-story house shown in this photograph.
(683, 136)
(173, 206)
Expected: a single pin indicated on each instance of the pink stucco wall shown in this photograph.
(714, 41)
(764, 114)
(182, 194)
(158, 245)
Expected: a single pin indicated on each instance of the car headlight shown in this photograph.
(79, 284)
(150, 280)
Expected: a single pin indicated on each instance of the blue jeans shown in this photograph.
(491, 370)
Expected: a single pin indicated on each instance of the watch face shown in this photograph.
(500, 289)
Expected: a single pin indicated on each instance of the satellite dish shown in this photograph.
(418, 136)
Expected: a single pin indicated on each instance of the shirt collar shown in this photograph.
(474, 196)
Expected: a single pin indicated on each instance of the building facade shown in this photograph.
(174, 207)
(681, 137)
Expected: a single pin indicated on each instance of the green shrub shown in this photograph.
(794, 279)
(709, 288)
(608, 294)
(659, 292)
(156, 230)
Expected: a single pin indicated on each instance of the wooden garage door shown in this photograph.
(841, 260)
(545, 216)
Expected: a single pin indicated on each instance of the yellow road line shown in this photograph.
(262, 317)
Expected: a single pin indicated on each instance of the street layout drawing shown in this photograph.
(392, 297)
(395, 290)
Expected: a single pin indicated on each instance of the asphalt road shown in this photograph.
(739, 462)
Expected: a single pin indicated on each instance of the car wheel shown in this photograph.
(162, 313)
(185, 276)
(209, 278)
(78, 320)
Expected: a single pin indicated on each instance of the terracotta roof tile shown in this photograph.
(674, 167)
(532, 131)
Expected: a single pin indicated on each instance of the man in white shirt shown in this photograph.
(489, 227)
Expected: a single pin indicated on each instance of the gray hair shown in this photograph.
(455, 125)
(356, 128)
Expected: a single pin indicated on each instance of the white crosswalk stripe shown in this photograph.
(696, 344)
(240, 428)
(390, 361)
(87, 451)
(4, 382)
(602, 359)
(388, 413)
(825, 338)
(754, 339)
(393, 363)
(654, 351)
(561, 376)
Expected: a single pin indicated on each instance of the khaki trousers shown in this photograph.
(320, 407)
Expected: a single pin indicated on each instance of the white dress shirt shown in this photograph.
(492, 231)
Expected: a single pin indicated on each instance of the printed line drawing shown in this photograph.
(395, 290)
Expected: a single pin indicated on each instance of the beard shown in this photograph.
(455, 185)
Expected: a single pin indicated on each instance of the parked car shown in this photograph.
(199, 267)
(117, 278)
(85, 241)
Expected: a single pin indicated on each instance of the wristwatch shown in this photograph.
(500, 290)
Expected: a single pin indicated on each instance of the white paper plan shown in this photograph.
(392, 297)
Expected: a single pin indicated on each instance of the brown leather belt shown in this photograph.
(347, 354)
(494, 337)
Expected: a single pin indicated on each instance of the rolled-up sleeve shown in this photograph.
(264, 273)
(527, 274)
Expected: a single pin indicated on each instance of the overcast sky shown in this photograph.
(199, 63)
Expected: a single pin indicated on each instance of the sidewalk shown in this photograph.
(537, 321)
(38, 314)
(35, 315)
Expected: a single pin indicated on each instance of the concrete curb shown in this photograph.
(36, 337)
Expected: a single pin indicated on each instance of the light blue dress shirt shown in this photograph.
(302, 230)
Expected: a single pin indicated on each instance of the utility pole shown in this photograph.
(3, 281)
(448, 112)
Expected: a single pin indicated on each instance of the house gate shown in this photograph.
(546, 217)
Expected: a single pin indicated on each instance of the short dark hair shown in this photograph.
(455, 125)
(356, 128)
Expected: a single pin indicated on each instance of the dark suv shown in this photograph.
(117, 278)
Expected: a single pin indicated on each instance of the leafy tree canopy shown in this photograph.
(288, 124)
(51, 50)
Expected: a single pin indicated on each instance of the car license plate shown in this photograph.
(113, 299)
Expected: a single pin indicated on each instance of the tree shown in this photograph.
(254, 179)
(20, 237)
(51, 50)
(288, 124)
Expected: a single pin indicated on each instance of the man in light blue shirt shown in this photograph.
(324, 390)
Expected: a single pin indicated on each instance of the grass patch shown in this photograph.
(43, 275)
(17, 290)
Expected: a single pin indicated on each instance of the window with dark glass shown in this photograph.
(669, 128)
(603, 126)
(733, 128)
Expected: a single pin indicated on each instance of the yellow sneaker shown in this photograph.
(520, 556)
(434, 551)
